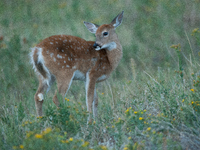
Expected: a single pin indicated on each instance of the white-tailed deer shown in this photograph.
(65, 58)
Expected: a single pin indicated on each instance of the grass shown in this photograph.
(151, 101)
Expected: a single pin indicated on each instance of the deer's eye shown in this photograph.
(105, 33)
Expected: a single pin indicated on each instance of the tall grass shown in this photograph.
(151, 101)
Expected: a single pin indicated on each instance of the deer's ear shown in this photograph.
(91, 27)
(117, 20)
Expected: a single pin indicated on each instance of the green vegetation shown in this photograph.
(151, 101)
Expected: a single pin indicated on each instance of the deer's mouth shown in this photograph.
(97, 46)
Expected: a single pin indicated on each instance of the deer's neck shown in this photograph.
(115, 55)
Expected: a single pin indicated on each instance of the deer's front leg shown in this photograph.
(90, 91)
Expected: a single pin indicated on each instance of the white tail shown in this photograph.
(65, 58)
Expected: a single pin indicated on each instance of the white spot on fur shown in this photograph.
(64, 61)
(74, 67)
(51, 54)
(51, 42)
(40, 96)
(58, 63)
(62, 66)
(67, 66)
(56, 42)
(62, 50)
(54, 59)
(48, 52)
(68, 58)
(59, 56)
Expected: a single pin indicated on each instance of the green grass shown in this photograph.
(151, 101)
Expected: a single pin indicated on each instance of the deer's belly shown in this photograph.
(102, 78)
(79, 75)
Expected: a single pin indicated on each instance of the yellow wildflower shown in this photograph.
(62, 141)
(149, 128)
(47, 130)
(127, 110)
(183, 100)
(113, 126)
(29, 134)
(21, 146)
(192, 90)
(140, 118)
(103, 147)
(135, 112)
(70, 139)
(102, 93)
(125, 148)
(154, 131)
(145, 110)
(85, 144)
(129, 138)
(195, 30)
(192, 102)
(67, 99)
(38, 136)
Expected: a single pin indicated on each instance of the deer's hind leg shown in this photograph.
(63, 84)
(44, 85)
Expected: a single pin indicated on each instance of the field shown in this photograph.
(151, 101)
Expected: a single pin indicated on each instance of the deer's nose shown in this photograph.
(95, 45)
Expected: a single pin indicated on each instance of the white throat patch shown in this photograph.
(109, 46)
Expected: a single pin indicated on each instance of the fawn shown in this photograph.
(65, 58)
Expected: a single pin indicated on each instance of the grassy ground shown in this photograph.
(151, 101)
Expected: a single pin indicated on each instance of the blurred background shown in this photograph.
(148, 30)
